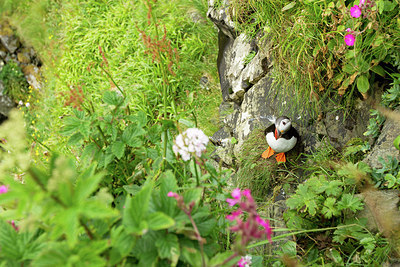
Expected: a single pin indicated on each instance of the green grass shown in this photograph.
(310, 57)
(68, 36)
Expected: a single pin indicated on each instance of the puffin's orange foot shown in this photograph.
(268, 153)
(281, 157)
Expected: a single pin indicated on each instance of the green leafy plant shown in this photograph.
(355, 149)
(323, 208)
(388, 174)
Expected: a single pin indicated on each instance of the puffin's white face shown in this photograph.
(283, 126)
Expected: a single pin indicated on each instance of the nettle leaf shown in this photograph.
(131, 135)
(122, 244)
(136, 210)
(351, 202)
(74, 139)
(193, 194)
(118, 149)
(154, 133)
(112, 98)
(329, 210)
(9, 248)
(71, 124)
(139, 118)
(67, 223)
(168, 184)
(56, 254)
(168, 248)
(89, 152)
(190, 253)
(159, 220)
(94, 208)
(87, 183)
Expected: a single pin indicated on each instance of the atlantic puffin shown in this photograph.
(281, 137)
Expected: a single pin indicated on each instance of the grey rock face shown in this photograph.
(339, 127)
(244, 69)
(384, 145)
(218, 15)
(6, 104)
(12, 49)
(381, 210)
(8, 39)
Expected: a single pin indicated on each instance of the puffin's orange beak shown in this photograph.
(278, 134)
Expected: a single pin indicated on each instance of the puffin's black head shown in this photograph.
(283, 124)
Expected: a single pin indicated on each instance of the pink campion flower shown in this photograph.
(234, 215)
(247, 227)
(362, 2)
(232, 201)
(236, 193)
(349, 39)
(3, 189)
(355, 11)
(348, 30)
(266, 226)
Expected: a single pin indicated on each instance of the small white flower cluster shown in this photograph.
(191, 141)
(245, 261)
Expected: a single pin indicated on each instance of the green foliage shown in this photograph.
(329, 204)
(15, 84)
(355, 149)
(322, 198)
(307, 43)
(375, 124)
(390, 99)
(388, 175)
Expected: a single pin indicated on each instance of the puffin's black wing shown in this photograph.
(270, 129)
(289, 134)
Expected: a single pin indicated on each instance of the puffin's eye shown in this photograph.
(284, 123)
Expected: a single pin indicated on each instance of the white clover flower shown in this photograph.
(20, 103)
(27, 105)
(191, 141)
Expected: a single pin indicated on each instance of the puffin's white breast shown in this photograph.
(281, 144)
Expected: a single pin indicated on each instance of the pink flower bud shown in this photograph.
(172, 194)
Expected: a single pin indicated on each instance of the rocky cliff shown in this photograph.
(250, 95)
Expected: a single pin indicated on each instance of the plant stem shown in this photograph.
(234, 255)
(199, 238)
(196, 172)
(102, 135)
